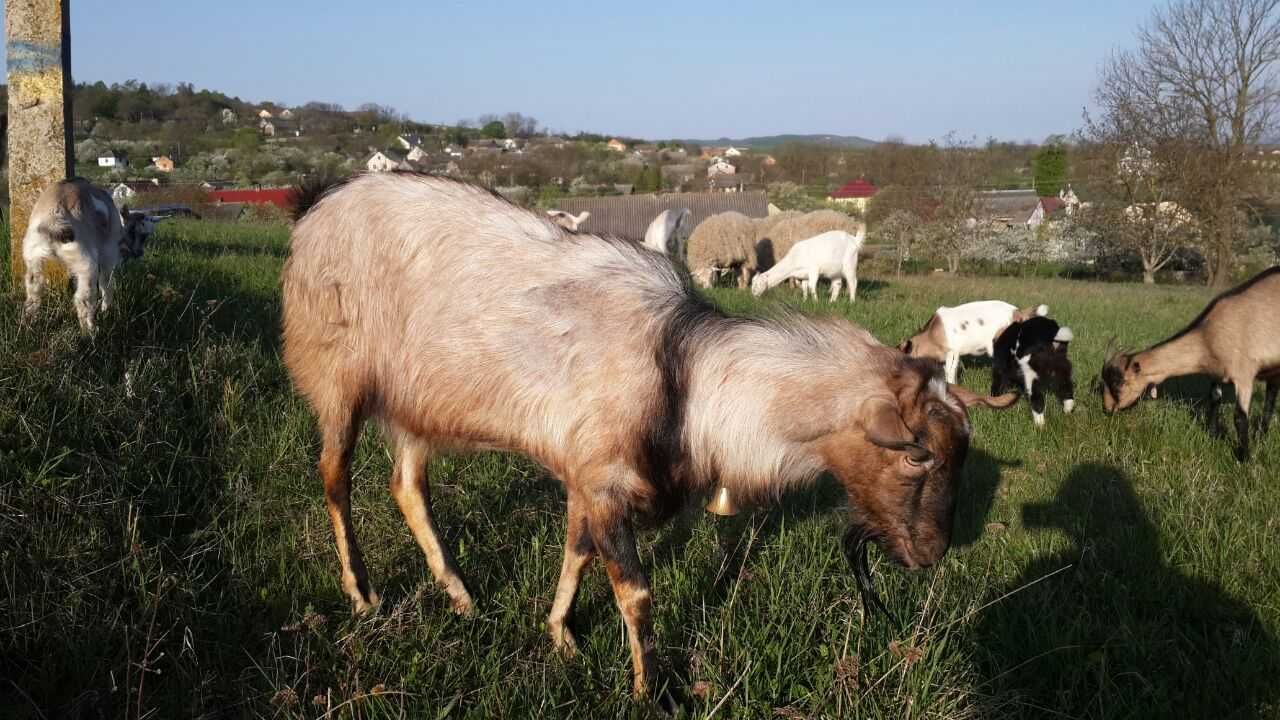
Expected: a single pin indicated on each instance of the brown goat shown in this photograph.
(1235, 340)
(604, 366)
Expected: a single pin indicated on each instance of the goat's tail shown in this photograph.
(1063, 337)
(1024, 314)
(57, 227)
(308, 193)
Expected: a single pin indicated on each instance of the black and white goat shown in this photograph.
(1030, 354)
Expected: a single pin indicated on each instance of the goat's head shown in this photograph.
(901, 459)
(759, 284)
(138, 229)
(1123, 382)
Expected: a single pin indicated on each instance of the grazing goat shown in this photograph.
(567, 220)
(968, 329)
(832, 255)
(1235, 340)
(602, 364)
(1030, 354)
(667, 233)
(77, 224)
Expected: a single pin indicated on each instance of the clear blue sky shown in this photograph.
(1013, 69)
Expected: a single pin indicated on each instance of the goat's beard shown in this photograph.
(856, 542)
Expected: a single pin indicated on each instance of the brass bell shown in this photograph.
(722, 504)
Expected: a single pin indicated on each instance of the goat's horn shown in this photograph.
(915, 451)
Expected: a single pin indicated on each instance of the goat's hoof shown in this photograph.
(1242, 455)
(361, 606)
(462, 604)
(563, 640)
(1038, 419)
(1068, 406)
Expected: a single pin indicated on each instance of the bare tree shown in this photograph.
(900, 229)
(956, 171)
(1203, 75)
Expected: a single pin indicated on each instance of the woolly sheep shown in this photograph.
(722, 241)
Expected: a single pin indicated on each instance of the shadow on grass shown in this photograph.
(1108, 629)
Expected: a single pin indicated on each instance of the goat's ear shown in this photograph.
(124, 212)
(971, 399)
(882, 422)
(905, 347)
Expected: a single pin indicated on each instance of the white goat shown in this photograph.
(568, 221)
(832, 254)
(78, 225)
(667, 233)
(969, 329)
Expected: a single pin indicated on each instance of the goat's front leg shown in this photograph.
(1036, 390)
(952, 366)
(836, 284)
(578, 551)
(1211, 411)
(614, 541)
(1244, 392)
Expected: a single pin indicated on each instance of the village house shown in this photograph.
(727, 183)
(385, 161)
(616, 145)
(162, 163)
(720, 167)
(732, 152)
(768, 160)
(1006, 209)
(409, 141)
(228, 116)
(112, 161)
(265, 114)
(856, 193)
(417, 154)
(266, 127)
(286, 114)
(121, 192)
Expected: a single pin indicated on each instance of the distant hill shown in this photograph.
(769, 141)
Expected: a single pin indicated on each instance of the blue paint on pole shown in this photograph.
(27, 57)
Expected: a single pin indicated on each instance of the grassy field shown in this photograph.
(165, 552)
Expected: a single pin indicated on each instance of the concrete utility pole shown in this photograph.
(38, 53)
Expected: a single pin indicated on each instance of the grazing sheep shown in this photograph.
(666, 234)
(569, 221)
(603, 365)
(77, 224)
(832, 254)
(1030, 354)
(1235, 340)
(968, 329)
(721, 242)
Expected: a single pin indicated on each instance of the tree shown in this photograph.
(494, 129)
(1050, 168)
(1202, 77)
(900, 229)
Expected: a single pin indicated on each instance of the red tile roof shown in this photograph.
(1051, 204)
(280, 197)
(860, 188)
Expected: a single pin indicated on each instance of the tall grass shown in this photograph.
(164, 549)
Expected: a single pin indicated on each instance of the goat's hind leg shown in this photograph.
(411, 488)
(340, 434)
(1269, 404)
(615, 542)
(578, 551)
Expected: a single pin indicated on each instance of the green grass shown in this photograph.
(165, 552)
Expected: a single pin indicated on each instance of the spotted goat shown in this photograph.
(77, 225)
(1031, 355)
